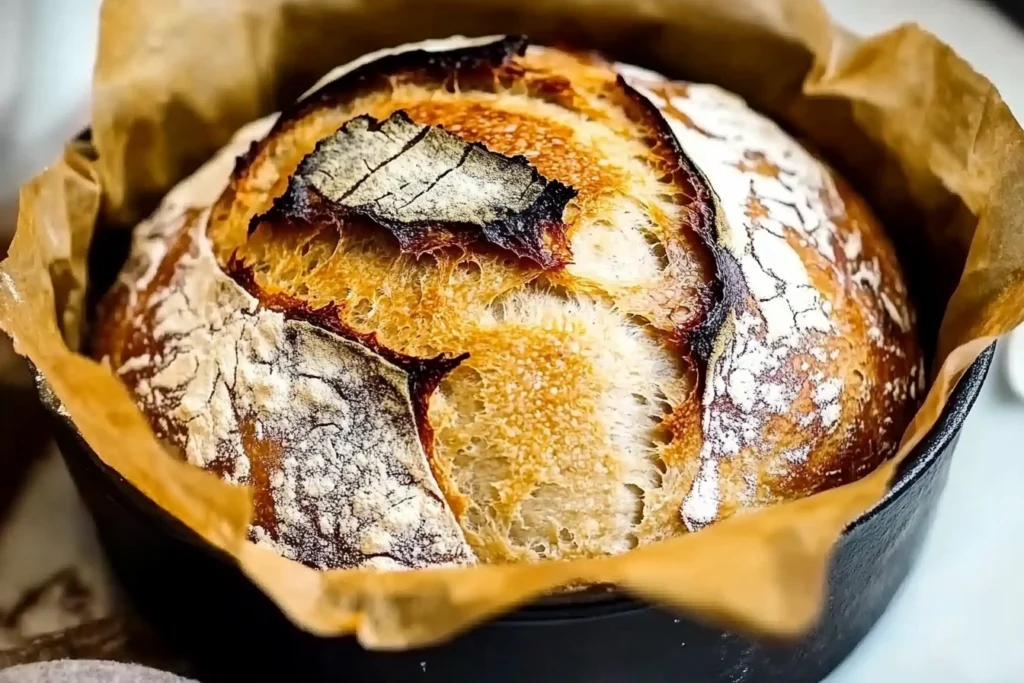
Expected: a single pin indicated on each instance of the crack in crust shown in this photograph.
(687, 299)
(444, 66)
(790, 407)
(279, 396)
(429, 188)
(721, 291)
(424, 373)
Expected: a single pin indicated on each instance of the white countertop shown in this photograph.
(960, 615)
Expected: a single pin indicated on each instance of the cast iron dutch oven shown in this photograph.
(201, 601)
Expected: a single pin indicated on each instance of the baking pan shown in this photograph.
(208, 609)
(211, 613)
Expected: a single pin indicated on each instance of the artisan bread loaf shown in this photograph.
(475, 300)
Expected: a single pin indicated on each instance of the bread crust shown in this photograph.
(717, 322)
(819, 370)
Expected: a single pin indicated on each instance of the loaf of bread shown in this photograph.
(475, 300)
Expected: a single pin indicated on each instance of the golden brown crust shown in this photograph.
(499, 85)
(818, 370)
(424, 373)
(280, 403)
(705, 321)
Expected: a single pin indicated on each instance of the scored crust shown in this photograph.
(547, 434)
(818, 370)
(603, 309)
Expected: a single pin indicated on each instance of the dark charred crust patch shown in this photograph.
(733, 292)
(430, 189)
(474, 62)
(420, 66)
(424, 373)
(417, 66)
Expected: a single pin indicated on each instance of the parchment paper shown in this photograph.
(927, 139)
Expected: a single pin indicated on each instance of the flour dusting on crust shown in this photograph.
(350, 484)
(778, 207)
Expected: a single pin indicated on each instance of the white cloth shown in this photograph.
(52, 572)
(86, 671)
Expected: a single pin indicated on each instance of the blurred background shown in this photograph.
(960, 614)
